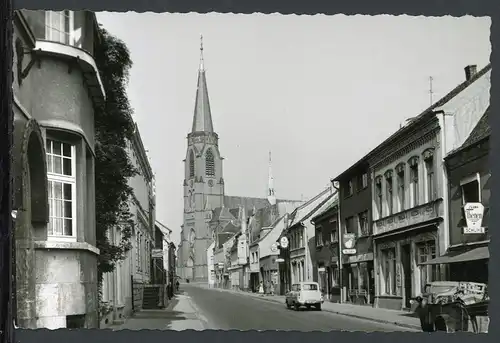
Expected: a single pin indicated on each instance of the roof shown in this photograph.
(304, 211)
(202, 117)
(245, 202)
(164, 230)
(426, 114)
(481, 131)
(329, 205)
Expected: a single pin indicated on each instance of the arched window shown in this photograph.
(191, 164)
(209, 163)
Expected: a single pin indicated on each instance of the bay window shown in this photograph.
(60, 27)
(61, 177)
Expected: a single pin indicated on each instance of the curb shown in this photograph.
(381, 321)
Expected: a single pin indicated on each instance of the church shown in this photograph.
(204, 194)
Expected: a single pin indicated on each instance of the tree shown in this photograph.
(114, 129)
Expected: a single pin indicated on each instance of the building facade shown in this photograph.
(326, 257)
(410, 194)
(56, 86)
(469, 175)
(357, 268)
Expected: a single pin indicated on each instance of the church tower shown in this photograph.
(203, 184)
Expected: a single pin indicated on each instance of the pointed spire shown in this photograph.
(270, 186)
(202, 118)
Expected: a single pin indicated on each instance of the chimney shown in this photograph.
(470, 71)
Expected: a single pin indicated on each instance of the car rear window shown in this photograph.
(309, 287)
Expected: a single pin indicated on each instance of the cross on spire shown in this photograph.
(201, 53)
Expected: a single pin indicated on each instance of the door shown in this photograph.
(405, 262)
(371, 282)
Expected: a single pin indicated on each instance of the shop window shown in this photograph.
(62, 188)
(364, 227)
(389, 270)
(389, 192)
(378, 194)
(400, 172)
(428, 273)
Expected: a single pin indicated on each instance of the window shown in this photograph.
(309, 287)
(301, 238)
(349, 225)
(191, 164)
(414, 184)
(319, 238)
(428, 273)
(350, 188)
(59, 27)
(363, 181)
(388, 180)
(389, 270)
(364, 228)
(61, 183)
(334, 234)
(400, 170)
(470, 189)
(378, 194)
(209, 163)
(138, 252)
(429, 168)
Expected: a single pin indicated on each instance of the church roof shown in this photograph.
(245, 202)
(202, 118)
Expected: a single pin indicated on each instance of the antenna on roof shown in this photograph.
(431, 91)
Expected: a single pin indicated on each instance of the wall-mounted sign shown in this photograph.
(280, 260)
(274, 247)
(321, 269)
(349, 242)
(474, 212)
(284, 242)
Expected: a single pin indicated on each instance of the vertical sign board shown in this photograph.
(349, 240)
(474, 212)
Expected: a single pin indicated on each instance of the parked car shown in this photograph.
(304, 294)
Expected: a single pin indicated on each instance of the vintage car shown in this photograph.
(454, 306)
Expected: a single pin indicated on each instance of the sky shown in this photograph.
(319, 92)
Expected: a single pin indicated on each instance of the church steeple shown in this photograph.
(202, 118)
(270, 186)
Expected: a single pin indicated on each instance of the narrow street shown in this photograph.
(200, 308)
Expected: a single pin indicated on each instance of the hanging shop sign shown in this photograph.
(349, 240)
(284, 242)
(474, 212)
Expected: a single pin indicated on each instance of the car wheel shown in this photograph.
(296, 306)
(318, 307)
(288, 305)
(308, 307)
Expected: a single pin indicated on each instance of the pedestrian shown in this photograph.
(177, 285)
(272, 288)
(261, 288)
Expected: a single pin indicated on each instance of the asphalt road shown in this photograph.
(232, 311)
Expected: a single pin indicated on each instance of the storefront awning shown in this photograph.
(480, 253)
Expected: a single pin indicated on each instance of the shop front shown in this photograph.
(400, 272)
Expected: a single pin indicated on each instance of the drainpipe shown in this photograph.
(341, 281)
(444, 235)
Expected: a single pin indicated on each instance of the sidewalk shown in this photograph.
(379, 315)
(179, 315)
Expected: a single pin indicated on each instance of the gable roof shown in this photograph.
(426, 114)
(328, 206)
(304, 211)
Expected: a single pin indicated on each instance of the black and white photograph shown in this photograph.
(250, 171)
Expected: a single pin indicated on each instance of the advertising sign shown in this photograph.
(274, 247)
(474, 217)
(284, 242)
(349, 242)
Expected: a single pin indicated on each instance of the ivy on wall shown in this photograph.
(114, 128)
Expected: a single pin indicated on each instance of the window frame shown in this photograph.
(49, 28)
(379, 200)
(363, 215)
(389, 191)
(476, 177)
(64, 179)
(191, 164)
(318, 235)
(209, 163)
(401, 185)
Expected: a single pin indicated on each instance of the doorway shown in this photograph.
(406, 265)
